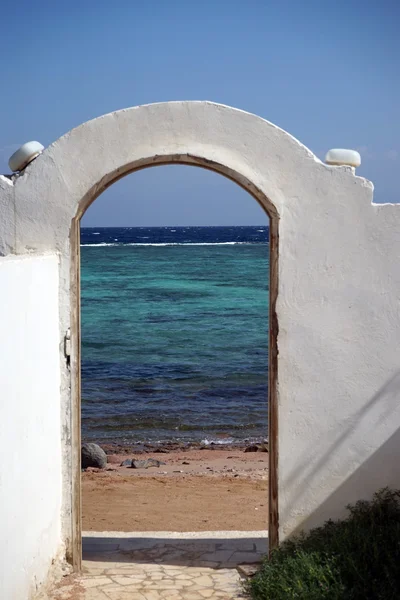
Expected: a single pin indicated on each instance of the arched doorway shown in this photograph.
(75, 326)
(283, 176)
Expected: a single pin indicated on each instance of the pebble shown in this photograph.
(145, 464)
(252, 448)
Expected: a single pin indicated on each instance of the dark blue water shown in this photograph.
(174, 334)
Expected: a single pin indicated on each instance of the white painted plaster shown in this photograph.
(339, 285)
(339, 371)
(30, 436)
(7, 212)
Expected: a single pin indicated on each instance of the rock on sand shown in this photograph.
(93, 456)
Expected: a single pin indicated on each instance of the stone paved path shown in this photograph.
(163, 566)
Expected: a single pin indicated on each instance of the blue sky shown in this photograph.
(326, 72)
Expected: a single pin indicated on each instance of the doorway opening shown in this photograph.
(158, 294)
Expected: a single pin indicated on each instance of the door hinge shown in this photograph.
(67, 344)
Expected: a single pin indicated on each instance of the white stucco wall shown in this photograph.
(338, 293)
(339, 371)
(30, 436)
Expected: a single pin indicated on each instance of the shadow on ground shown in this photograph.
(201, 549)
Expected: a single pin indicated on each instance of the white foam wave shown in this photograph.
(217, 442)
(101, 244)
(188, 244)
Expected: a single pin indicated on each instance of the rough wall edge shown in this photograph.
(6, 181)
(29, 255)
(58, 569)
(8, 218)
(382, 205)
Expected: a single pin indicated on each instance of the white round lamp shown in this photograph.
(341, 156)
(24, 155)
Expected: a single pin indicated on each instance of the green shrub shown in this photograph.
(354, 559)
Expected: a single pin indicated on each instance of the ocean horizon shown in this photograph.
(175, 334)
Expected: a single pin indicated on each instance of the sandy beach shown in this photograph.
(195, 490)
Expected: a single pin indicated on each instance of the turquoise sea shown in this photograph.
(174, 334)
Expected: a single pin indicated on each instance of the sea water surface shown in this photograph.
(174, 334)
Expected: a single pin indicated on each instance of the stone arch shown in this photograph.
(59, 185)
(311, 206)
(78, 167)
